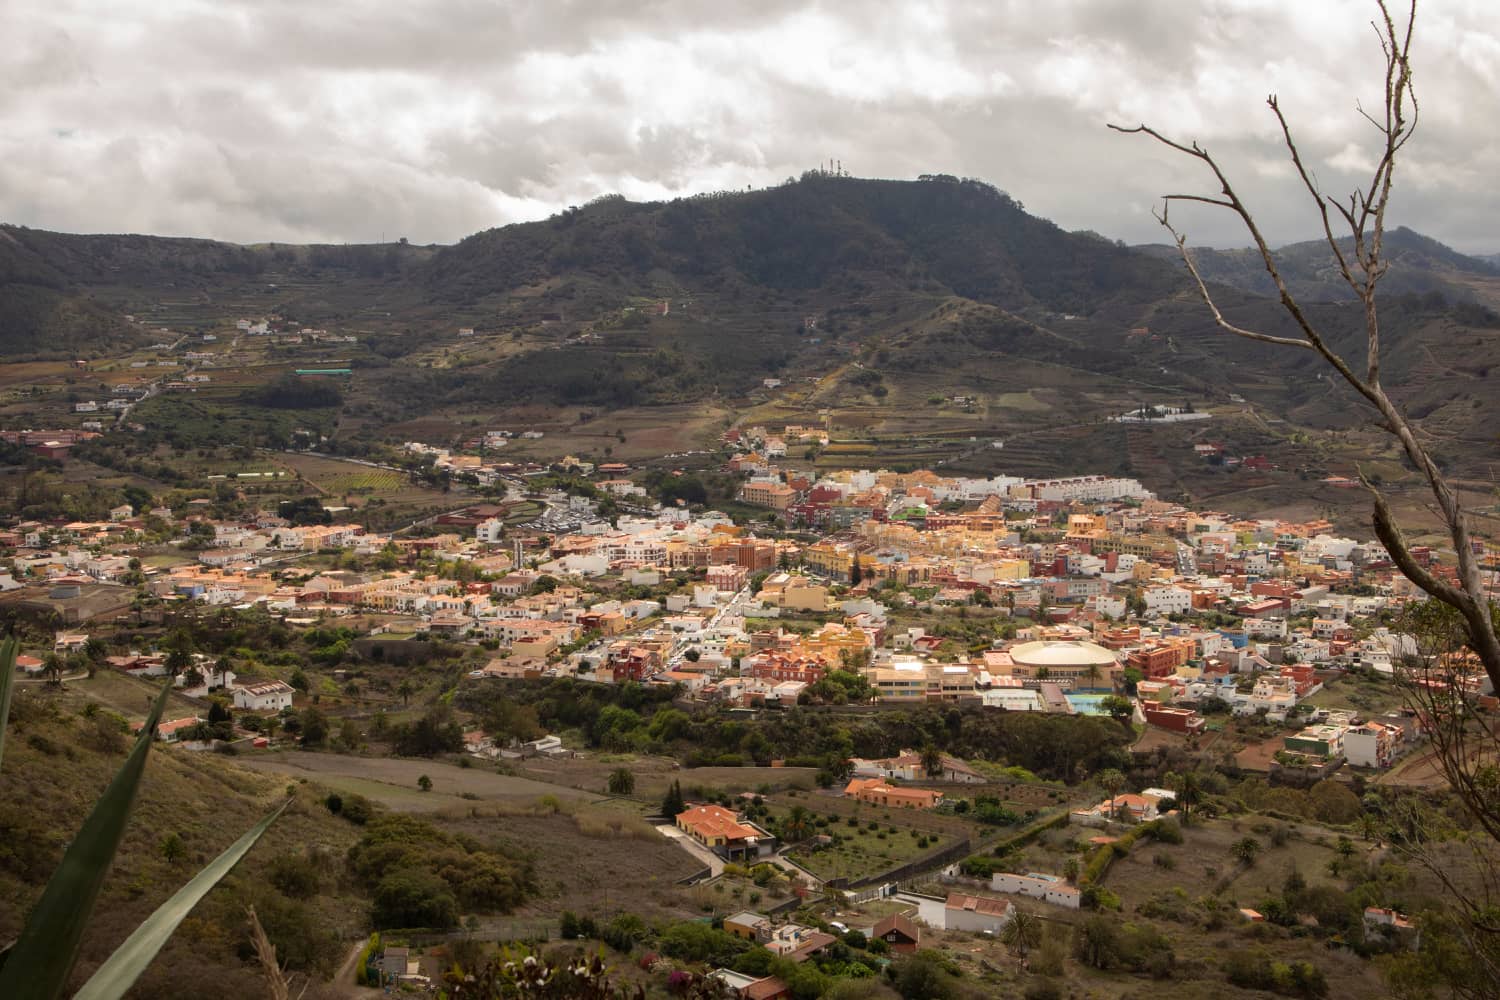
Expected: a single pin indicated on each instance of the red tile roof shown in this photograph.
(715, 821)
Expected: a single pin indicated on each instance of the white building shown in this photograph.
(264, 696)
(1167, 600)
(962, 912)
(1047, 888)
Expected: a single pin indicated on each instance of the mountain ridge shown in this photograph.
(698, 301)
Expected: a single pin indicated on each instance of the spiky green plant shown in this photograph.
(38, 965)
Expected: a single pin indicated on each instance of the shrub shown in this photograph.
(1043, 989)
(357, 809)
(410, 897)
(296, 875)
(623, 932)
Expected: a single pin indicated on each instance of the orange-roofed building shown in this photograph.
(877, 791)
(722, 832)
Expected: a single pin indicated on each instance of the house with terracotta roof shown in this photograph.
(963, 912)
(744, 987)
(877, 791)
(1140, 808)
(798, 943)
(721, 831)
(172, 729)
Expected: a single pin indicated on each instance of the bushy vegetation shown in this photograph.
(422, 876)
(632, 717)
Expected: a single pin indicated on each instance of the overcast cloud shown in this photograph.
(351, 121)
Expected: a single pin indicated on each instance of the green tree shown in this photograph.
(314, 728)
(621, 781)
(172, 848)
(424, 783)
(179, 652)
(1022, 932)
(1245, 850)
(923, 976)
(1096, 942)
(1119, 708)
(673, 804)
(932, 762)
(1110, 779)
(797, 824)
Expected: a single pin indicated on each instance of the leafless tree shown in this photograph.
(1355, 232)
(1465, 747)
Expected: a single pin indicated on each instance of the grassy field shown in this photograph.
(393, 782)
(862, 852)
(1202, 864)
(653, 775)
(130, 696)
(585, 865)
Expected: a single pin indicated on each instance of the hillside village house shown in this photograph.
(908, 767)
(1139, 808)
(722, 832)
(877, 791)
(264, 696)
(1048, 888)
(963, 912)
(899, 932)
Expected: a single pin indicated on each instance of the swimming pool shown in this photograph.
(1086, 704)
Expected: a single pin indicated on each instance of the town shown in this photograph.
(1265, 647)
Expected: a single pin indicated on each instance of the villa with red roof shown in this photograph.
(721, 831)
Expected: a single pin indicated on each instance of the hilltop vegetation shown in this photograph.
(875, 300)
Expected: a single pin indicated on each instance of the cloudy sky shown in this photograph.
(349, 121)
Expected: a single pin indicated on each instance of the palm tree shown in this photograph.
(932, 762)
(1189, 795)
(1022, 933)
(1092, 672)
(621, 781)
(796, 824)
(406, 689)
(1110, 779)
(52, 669)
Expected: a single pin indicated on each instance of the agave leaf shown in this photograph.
(120, 971)
(8, 650)
(38, 966)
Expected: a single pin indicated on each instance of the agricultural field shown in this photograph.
(865, 849)
(359, 485)
(654, 775)
(393, 782)
(129, 696)
(897, 836)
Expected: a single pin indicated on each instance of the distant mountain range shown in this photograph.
(1419, 266)
(891, 294)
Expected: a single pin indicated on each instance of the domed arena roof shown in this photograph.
(1061, 653)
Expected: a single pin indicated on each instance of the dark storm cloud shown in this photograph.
(345, 120)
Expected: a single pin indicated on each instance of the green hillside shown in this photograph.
(867, 298)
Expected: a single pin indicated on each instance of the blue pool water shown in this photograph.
(1086, 704)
